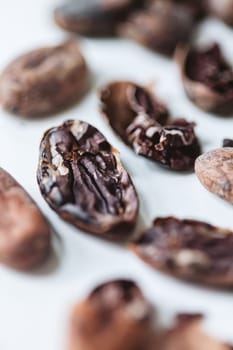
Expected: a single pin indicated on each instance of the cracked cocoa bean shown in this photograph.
(44, 80)
(188, 249)
(160, 26)
(143, 123)
(25, 235)
(114, 316)
(93, 17)
(214, 170)
(221, 9)
(207, 78)
(82, 179)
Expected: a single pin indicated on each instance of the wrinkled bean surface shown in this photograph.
(189, 249)
(82, 179)
(144, 124)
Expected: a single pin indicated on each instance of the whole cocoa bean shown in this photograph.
(215, 171)
(188, 249)
(44, 80)
(114, 316)
(82, 179)
(25, 235)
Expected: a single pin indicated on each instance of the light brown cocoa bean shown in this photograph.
(44, 80)
(215, 171)
(25, 235)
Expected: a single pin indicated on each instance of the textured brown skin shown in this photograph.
(119, 227)
(103, 322)
(187, 334)
(44, 81)
(215, 171)
(221, 9)
(25, 235)
(166, 251)
(204, 97)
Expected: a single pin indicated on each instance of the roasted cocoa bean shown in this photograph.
(115, 316)
(188, 249)
(143, 123)
(207, 78)
(93, 17)
(25, 235)
(161, 26)
(214, 169)
(44, 80)
(82, 179)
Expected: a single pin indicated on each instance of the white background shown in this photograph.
(35, 307)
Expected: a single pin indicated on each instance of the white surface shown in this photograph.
(34, 308)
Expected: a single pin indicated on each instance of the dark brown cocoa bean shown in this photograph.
(207, 78)
(188, 249)
(161, 26)
(215, 171)
(93, 17)
(82, 179)
(142, 122)
(115, 316)
(25, 235)
(44, 80)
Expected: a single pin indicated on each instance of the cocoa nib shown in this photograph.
(160, 26)
(25, 235)
(214, 170)
(82, 179)
(188, 249)
(93, 17)
(143, 123)
(207, 78)
(115, 316)
(44, 80)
